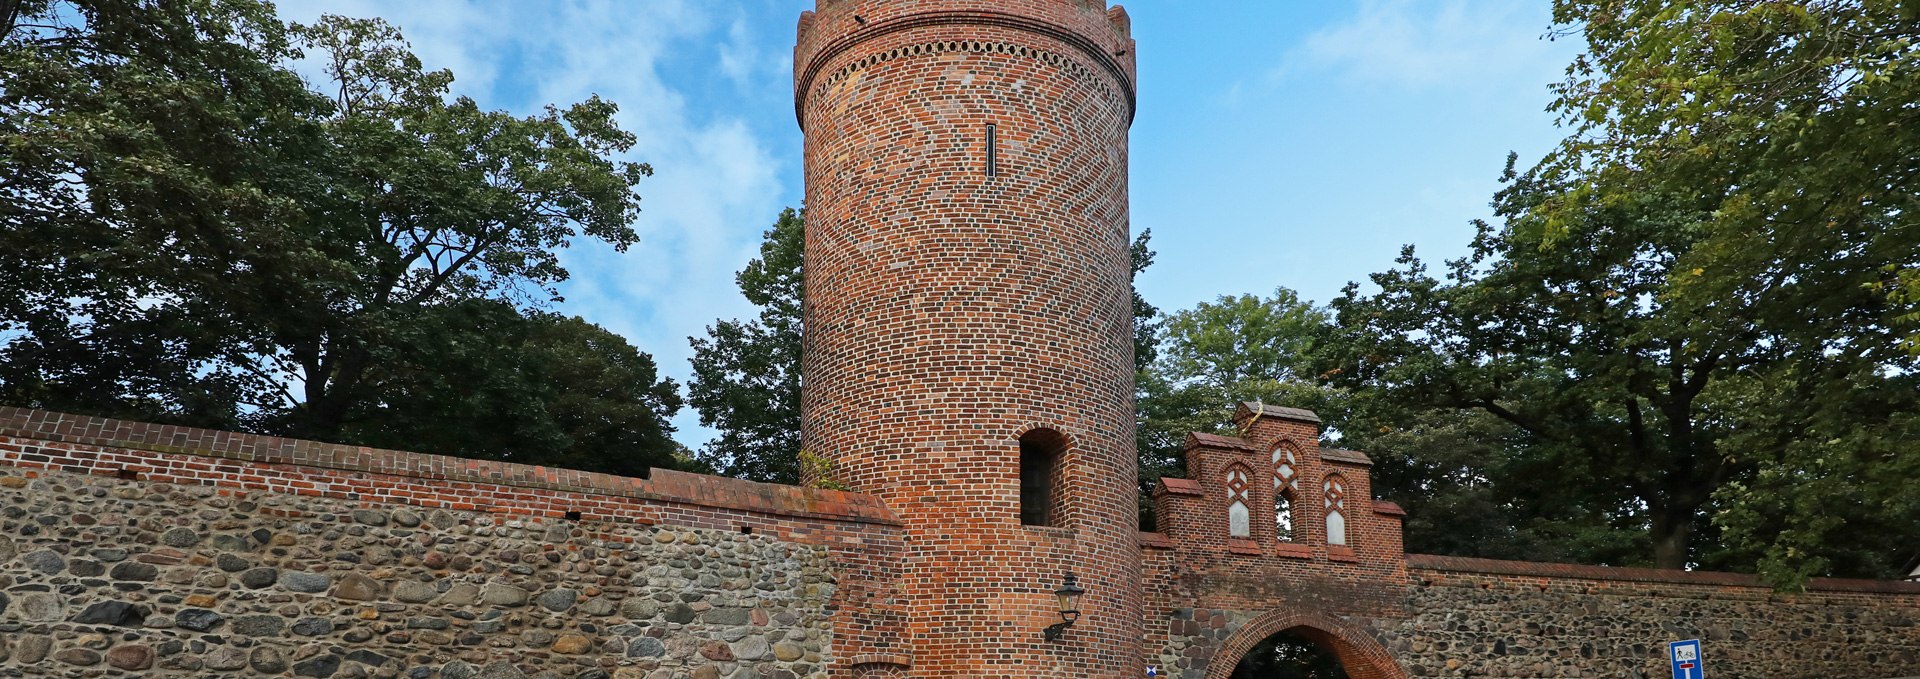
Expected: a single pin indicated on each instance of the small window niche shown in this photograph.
(1041, 484)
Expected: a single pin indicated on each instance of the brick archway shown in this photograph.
(1360, 654)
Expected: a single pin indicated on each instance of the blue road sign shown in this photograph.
(1687, 663)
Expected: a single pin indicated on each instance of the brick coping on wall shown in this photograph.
(664, 485)
(1461, 564)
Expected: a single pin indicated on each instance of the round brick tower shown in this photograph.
(969, 330)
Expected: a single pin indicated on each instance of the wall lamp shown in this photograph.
(1069, 594)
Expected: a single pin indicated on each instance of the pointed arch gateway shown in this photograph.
(1360, 654)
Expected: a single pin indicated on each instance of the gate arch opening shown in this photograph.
(1359, 655)
(1287, 655)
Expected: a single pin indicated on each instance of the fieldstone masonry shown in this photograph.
(1473, 617)
(108, 577)
(130, 549)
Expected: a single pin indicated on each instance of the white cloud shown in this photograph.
(1431, 44)
(717, 184)
(740, 55)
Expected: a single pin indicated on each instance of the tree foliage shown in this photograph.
(1214, 356)
(746, 374)
(1786, 135)
(483, 379)
(1691, 311)
(192, 233)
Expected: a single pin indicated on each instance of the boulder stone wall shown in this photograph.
(1482, 618)
(122, 561)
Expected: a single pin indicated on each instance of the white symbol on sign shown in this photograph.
(1686, 653)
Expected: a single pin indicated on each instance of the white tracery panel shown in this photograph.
(1334, 491)
(1239, 520)
(1286, 469)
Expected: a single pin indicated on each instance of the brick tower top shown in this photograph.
(1104, 34)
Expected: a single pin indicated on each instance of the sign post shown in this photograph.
(1687, 663)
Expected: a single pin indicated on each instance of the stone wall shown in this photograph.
(1461, 617)
(122, 561)
(1480, 618)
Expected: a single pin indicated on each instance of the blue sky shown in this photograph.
(1294, 143)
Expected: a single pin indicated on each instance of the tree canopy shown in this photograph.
(1781, 137)
(746, 374)
(191, 232)
(1691, 314)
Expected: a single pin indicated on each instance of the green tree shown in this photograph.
(1789, 127)
(191, 234)
(1214, 356)
(1146, 317)
(1472, 486)
(1567, 328)
(485, 380)
(1760, 154)
(746, 374)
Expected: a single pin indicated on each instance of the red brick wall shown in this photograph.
(864, 537)
(1210, 597)
(950, 312)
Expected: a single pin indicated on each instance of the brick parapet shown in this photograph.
(663, 486)
(1099, 35)
(1193, 512)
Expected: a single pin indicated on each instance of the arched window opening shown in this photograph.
(1239, 518)
(1286, 484)
(1283, 515)
(1041, 487)
(1334, 492)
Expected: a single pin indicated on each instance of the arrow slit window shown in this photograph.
(993, 151)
